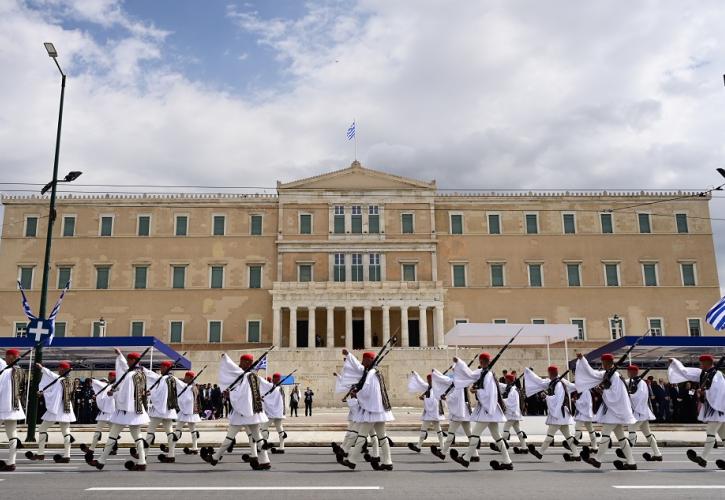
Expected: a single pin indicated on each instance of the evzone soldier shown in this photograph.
(583, 418)
(639, 394)
(558, 406)
(58, 393)
(245, 395)
(432, 410)
(11, 408)
(129, 396)
(512, 399)
(163, 406)
(711, 394)
(274, 407)
(489, 413)
(368, 386)
(187, 417)
(614, 413)
(459, 413)
(106, 408)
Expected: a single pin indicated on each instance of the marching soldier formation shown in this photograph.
(134, 397)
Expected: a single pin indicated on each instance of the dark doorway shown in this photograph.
(358, 334)
(302, 327)
(413, 333)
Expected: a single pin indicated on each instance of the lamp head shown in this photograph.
(51, 49)
(71, 176)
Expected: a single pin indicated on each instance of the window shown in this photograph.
(497, 277)
(611, 274)
(305, 223)
(107, 225)
(219, 224)
(103, 274)
(494, 224)
(339, 267)
(31, 226)
(59, 329)
(538, 321)
(98, 329)
(644, 223)
(655, 326)
(304, 273)
(532, 224)
(255, 225)
(573, 274)
(178, 279)
(216, 277)
(374, 273)
(20, 329)
(681, 220)
(356, 270)
(254, 331)
(456, 224)
(25, 276)
(616, 328)
(69, 225)
(460, 321)
(140, 277)
(607, 223)
(356, 219)
(176, 331)
(63, 276)
(215, 332)
(459, 275)
(407, 223)
(693, 326)
(255, 276)
(499, 321)
(408, 272)
(688, 274)
(649, 273)
(535, 275)
(144, 225)
(137, 328)
(581, 326)
(182, 225)
(339, 220)
(373, 219)
(569, 221)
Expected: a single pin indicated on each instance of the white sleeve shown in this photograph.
(463, 376)
(587, 377)
(416, 383)
(533, 383)
(677, 373)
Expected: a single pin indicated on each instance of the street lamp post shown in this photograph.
(52, 185)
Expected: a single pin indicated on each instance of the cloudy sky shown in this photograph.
(487, 94)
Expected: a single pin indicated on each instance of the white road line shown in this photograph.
(234, 488)
(671, 487)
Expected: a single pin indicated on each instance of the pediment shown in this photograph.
(356, 178)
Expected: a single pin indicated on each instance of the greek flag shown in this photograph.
(26, 307)
(351, 132)
(53, 312)
(262, 364)
(716, 315)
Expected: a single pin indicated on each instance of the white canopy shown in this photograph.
(469, 334)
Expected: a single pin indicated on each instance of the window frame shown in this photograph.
(499, 321)
(261, 276)
(100, 225)
(464, 265)
(208, 330)
(694, 273)
(606, 280)
(211, 276)
(21, 324)
(526, 222)
(108, 277)
(499, 221)
(677, 223)
(374, 211)
(415, 272)
(538, 321)
(249, 321)
(300, 265)
(622, 326)
(578, 266)
(451, 215)
(699, 327)
(65, 329)
(58, 267)
(338, 216)
(173, 271)
(171, 323)
(541, 274)
(339, 270)
(261, 224)
(662, 325)
(146, 277)
(299, 222)
(102, 329)
(378, 265)
(138, 225)
(412, 222)
(564, 215)
(187, 218)
(32, 275)
(62, 227)
(644, 274)
(460, 321)
(25, 225)
(356, 217)
(583, 327)
(359, 266)
(491, 265)
(611, 222)
(649, 222)
(130, 327)
(214, 217)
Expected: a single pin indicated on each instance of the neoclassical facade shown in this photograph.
(355, 256)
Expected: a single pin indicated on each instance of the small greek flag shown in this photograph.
(716, 315)
(262, 364)
(53, 312)
(26, 307)
(351, 132)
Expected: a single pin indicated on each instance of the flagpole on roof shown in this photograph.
(354, 122)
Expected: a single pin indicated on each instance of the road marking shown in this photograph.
(233, 488)
(671, 487)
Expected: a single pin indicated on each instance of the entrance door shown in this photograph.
(358, 334)
(413, 333)
(302, 326)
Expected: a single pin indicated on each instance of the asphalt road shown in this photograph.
(312, 473)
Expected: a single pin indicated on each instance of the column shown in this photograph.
(386, 323)
(293, 326)
(311, 330)
(330, 327)
(276, 322)
(439, 327)
(404, 342)
(348, 328)
(423, 325)
(367, 318)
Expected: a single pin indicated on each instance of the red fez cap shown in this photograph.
(607, 357)
(369, 355)
(64, 365)
(484, 355)
(190, 374)
(112, 374)
(707, 357)
(633, 368)
(510, 378)
(277, 375)
(13, 352)
(553, 368)
(246, 357)
(167, 364)
(133, 355)
(429, 377)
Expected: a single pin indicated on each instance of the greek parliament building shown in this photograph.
(354, 256)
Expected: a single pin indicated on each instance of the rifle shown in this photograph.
(558, 379)
(280, 382)
(131, 367)
(162, 376)
(606, 382)
(509, 386)
(191, 383)
(707, 383)
(381, 354)
(484, 371)
(56, 380)
(16, 361)
(450, 387)
(233, 385)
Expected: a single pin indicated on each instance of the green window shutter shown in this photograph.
(688, 274)
(607, 225)
(176, 329)
(255, 276)
(456, 224)
(215, 332)
(682, 223)
(254, 333)
(305, 273)
(60, 328)
(63, 277)
(217, 277)
(612, 274)
(535, 275)
(144, 225)
(106, 226)
(373, 224)
(569, 224)
(494, 224)
(572, 271)
(305, 224)
(407, 220)
(140, 277)
(532, 224)
(31, 227)
(650, 274)
(459, 275)
(256, 225)
(102, 277)
(69, 226)
(644, 223)
(137, 329)
(182, 223)
(497, 275)
(179, 277)
(219, 222)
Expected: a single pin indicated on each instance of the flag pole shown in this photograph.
(354, 121)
